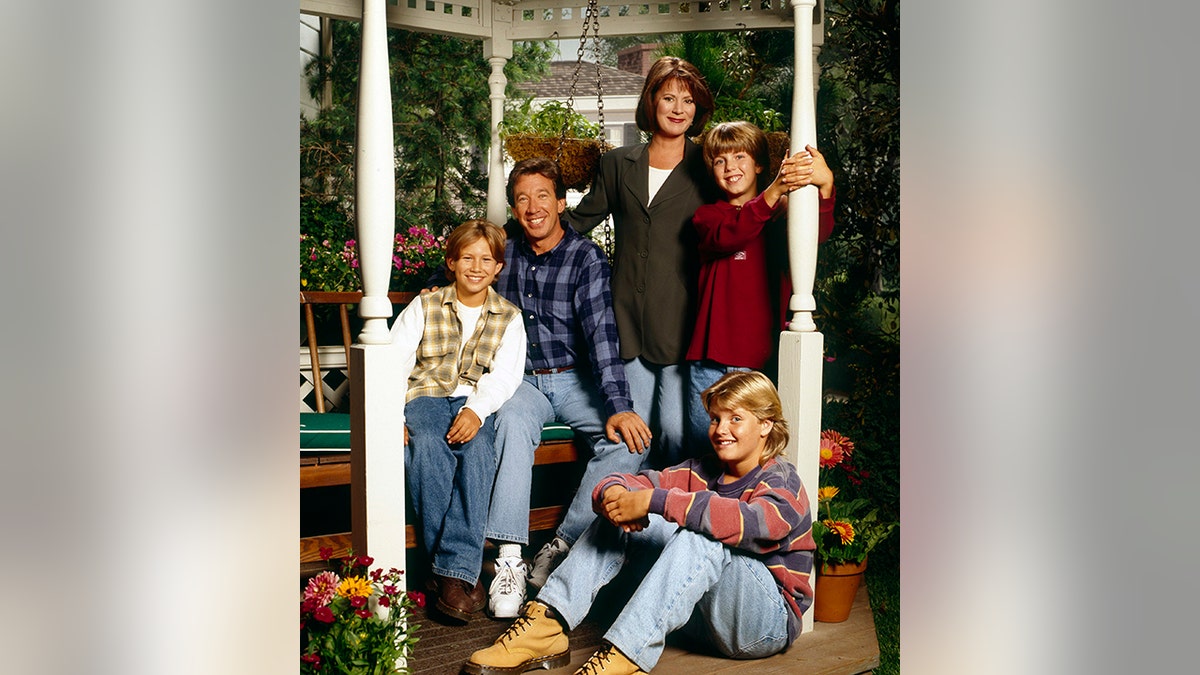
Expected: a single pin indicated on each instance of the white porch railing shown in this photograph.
(377, 400)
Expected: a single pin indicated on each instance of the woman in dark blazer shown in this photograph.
(651, 191)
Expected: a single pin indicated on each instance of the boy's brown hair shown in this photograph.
(739, 137)
(468, 233)
(756, 393)
(674, 68)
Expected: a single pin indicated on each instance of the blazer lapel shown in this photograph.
(635, 178)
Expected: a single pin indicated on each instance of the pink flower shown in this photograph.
(324, 615)
(831, 453)
(322, 588)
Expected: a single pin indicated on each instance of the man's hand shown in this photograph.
(632, 430)
(466, 424)
(406, 434)
(627, 509)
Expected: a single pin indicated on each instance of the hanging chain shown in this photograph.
(590, 18)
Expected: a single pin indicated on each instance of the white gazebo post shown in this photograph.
(801, 347)
(377, 404)
(497, 52)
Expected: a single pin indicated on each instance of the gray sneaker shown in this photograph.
(546, 560)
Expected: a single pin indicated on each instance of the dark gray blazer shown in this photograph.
(656, 257)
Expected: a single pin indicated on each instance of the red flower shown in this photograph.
(417, 597)
(385, 601)
(326, 553)
(390, 589)
(324, 615)
(363, 613)
(365, 560)
(357, 601)
(312, 659)
(308, 605)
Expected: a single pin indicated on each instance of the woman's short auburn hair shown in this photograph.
(674, 68)
(739, 137)
(471, 231)
(753, 391)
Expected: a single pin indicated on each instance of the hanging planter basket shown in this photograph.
(579, 160)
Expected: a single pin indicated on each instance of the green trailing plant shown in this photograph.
(546, 120)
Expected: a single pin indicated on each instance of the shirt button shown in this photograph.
(641, 289)
(644, 253)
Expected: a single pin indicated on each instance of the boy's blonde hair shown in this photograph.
(468, 233)
(754, 392)
(739, 137)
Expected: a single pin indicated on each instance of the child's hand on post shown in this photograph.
(466, 424)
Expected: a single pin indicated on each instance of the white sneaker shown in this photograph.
(546, 560)
(507, 592)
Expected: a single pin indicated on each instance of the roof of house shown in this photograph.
(557, 84)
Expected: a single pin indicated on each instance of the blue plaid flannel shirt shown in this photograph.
(566, 303)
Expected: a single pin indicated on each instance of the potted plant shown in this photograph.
(356, 622)
(845, 531)
(542, 132)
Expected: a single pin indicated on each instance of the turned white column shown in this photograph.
(801, 347)
(803, 203)
(375, 175)
(377, 398)
(497, 52)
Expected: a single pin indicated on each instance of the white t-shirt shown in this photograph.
(657, 178)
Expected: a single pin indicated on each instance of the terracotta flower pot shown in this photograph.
(835, 589)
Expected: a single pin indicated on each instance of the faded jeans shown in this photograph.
(574, 400)
(449, 485)
(717, 595)
(659, 394)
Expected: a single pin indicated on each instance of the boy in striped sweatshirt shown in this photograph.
(727, 541)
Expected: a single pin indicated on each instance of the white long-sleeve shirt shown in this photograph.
(495, 386)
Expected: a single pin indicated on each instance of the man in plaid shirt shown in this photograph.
(573, 375)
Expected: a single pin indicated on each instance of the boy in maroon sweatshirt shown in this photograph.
(728, 536)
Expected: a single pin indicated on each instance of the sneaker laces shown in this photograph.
(506, 580)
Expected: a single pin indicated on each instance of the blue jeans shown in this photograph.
(717, 595)
(659, 394)
(701, 376)
(573, 399)
(449, 485)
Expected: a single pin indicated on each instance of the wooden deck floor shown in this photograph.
(846, 648)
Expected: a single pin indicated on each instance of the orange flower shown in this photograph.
(844, 530)
(839, 440)
(826, 493)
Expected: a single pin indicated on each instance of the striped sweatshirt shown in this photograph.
(764, 513)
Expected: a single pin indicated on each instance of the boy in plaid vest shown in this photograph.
(461, 355)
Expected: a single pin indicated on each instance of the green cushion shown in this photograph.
(331, 431)
(325, 431)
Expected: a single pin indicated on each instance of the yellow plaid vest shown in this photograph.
(438, 371)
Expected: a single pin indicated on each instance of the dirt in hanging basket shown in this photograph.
(580, 156)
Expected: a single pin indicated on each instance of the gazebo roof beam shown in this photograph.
(547, 19)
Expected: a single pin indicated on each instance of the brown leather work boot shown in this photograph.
(535, 640)
(608, 660)
(457, 599)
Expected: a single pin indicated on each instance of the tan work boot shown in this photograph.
(609, 660)
(535, 640)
